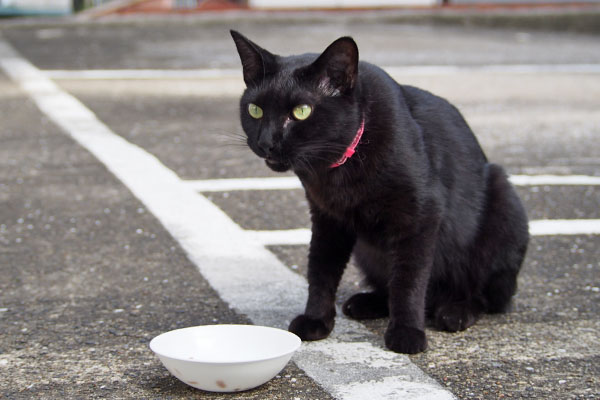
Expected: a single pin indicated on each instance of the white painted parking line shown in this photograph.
(244, 273)
(543, 227)
(157, 74)
(208, 73)
(282, 237)
(498, 68)
(559, 180)
(548, 227)
(225, 185)
(292, 182)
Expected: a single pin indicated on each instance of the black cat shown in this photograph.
(438, 231)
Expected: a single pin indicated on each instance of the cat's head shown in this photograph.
(299, 112)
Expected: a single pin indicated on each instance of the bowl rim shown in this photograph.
(196, 361)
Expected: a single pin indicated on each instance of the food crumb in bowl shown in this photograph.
(221, 384)
(192, 383)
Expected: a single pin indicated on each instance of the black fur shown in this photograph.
(438, 230)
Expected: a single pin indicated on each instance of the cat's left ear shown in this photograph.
(336, 68)
(257, 62)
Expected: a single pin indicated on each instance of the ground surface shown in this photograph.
(89, 275)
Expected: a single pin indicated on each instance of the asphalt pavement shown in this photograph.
(92, 267)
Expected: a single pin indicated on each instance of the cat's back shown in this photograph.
(435, 113)
(377, 83)
(403, 100)
(427, 109)
(443, 125)
(418, 117)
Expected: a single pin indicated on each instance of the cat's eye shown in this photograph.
(255, 111)
(302, 112)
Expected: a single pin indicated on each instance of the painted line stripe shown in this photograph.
(292, 182)
(239, 268)
(121, 74)
(498, 68)
(563, 180)
(542, 227)
(564, 227)
(282, 237)
(224, 185)
(229, 73)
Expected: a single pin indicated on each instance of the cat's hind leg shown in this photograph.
(451, 303)
(503, 241)
(486, 280)
(456, 316)
(367, 305)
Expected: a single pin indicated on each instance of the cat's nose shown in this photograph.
(266, 145)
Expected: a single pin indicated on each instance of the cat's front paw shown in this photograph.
(405, 339)
(308, 328)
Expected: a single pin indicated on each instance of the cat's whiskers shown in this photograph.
(232, 139)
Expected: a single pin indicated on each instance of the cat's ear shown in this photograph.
(257, 62)
(336, 68)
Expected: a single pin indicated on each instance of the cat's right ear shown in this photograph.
(257, 62)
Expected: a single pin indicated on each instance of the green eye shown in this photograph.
(302, 112)
(255, 111)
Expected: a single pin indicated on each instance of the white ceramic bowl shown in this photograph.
(225, 358)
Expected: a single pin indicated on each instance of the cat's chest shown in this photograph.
(351, 205)
(333, 199)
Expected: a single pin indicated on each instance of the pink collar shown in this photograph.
(352, 148)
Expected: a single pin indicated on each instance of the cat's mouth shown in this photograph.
(276, 165)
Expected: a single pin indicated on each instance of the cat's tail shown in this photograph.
(503, 240)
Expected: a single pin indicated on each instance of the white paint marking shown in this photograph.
(566, 180)
(564, 227)
(499, 68)
(143, 74)
(292, 182)
(541, 227)
(225, 185)
(410, 390)
(282, 237)
(245, 274)
(123, 74)
(344, 362)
